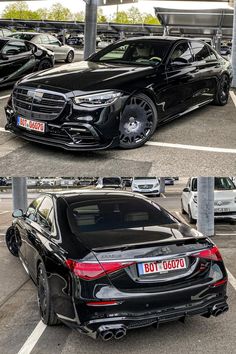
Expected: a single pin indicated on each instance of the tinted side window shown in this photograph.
(44, 211)
(14, 48)
(182, 52)
(51, 221)
(31, 211)
(200, 51)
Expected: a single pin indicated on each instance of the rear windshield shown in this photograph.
(116, 213)
(221, 184)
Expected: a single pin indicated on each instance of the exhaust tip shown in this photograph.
(106, 335)
(218, 312)
(120, 333)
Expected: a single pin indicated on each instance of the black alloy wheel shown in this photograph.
(70, 57)
(222, 94)
(12, 241)
(45, 302)
(45, 64)
(138, 122)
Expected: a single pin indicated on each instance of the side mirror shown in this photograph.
(17, 213)
(187, 190)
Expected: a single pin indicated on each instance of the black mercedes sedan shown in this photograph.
(105, 262)
(19, 58)
(118, 96)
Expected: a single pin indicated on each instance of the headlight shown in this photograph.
(135, 185)
(101, 99)
(195, 199)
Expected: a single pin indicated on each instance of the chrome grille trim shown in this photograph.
(35, 103)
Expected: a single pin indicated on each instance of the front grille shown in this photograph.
(146, 186)
(37, 103)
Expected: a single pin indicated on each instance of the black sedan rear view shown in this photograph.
(105, 262)
(118, 96)
(19, 58)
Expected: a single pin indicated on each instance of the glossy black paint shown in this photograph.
(175, 90)
(15, 66)
(141, 301)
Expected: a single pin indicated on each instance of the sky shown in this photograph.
(143, 5)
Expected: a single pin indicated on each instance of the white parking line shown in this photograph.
(233, 97)
(4, 212)
(3, 97)
(30, 343)
(227, 234)
(2, 130)
(163, 195)
(192, 147)
(232, 279)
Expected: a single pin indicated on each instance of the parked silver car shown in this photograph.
(146, 185)
(61, 51)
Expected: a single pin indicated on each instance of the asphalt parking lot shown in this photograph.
(19, 320)
(190, 145)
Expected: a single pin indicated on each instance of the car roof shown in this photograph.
(166, 38)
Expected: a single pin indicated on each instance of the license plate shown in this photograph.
(161, 267)
(31, 124)
(222, 210)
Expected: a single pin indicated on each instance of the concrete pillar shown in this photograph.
(90, 32)
(19, 193)
(233, 58)
(205, 203)
(162, 185)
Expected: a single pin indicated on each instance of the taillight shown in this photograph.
(103, 303)
(219, 283)
(95, 270)
(211, 254)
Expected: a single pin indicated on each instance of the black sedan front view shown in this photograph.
(119, 95)
(107, 261)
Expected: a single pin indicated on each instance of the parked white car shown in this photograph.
(109, 182)
(224, 199)
(146, 185)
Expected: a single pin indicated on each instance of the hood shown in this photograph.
(87, 76)
(145, 181)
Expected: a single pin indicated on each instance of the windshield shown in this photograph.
(24, 36)
(221, 184)
(139, 52)
(110, 181)
(144, 178)
(110, 212)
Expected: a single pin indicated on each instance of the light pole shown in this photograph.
(90, 32)
(19, 193)
(233, 58)
(205, 205)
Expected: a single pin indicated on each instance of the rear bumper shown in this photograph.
(93, 326)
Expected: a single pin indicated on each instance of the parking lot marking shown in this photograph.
(192, 147)
(2, 130)
(4, 212)
(3, 97)
(226, 234)
(181, 217)
(163, 195)
(30, 343)
(232, 279)
(233, 97)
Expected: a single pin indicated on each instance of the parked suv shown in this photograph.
(225, 199)
(146, 185)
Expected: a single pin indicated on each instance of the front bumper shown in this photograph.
(69, 133)
(146, 192)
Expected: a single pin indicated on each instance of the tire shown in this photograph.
(45, 302)
(190, 218)
(222, 94)
(182, 208)
(45, 64)
(138, 122)
(12, 241)
(70, 57)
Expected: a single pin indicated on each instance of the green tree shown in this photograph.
(42, 13)
(120, 17)
(19, 10)
(59, 13)
(149, 19)
(101, 18)
(134, 15)
(79, 16)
